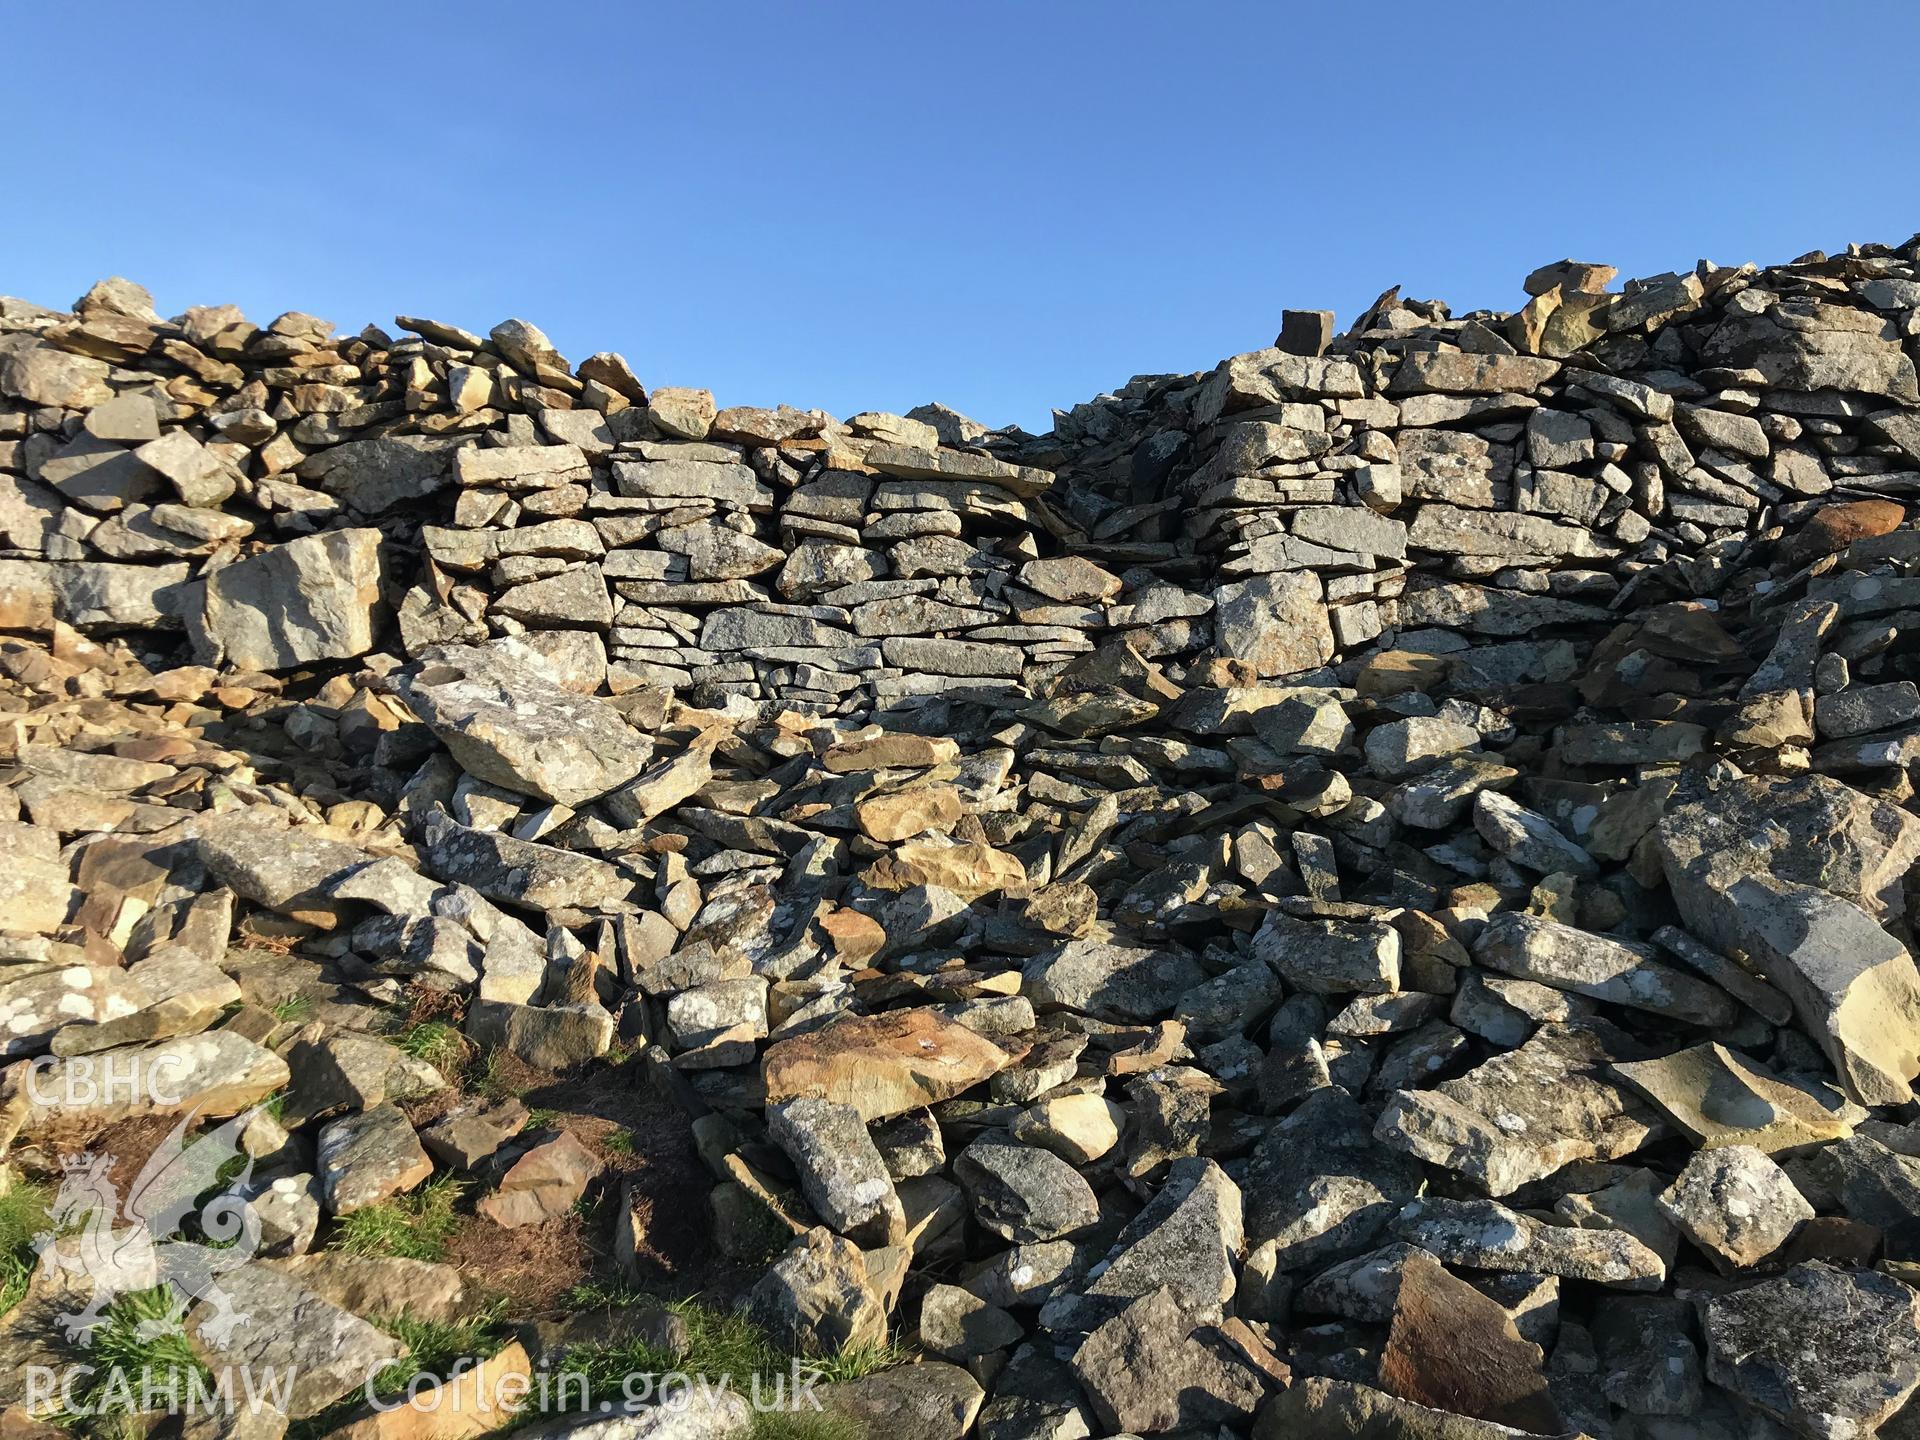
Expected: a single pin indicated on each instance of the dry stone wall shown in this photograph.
(1367, 891)
(1489, 488)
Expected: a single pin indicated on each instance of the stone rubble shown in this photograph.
(1362, 891)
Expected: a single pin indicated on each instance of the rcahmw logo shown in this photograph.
(119, 1243)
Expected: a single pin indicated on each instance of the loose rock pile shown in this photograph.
(1362, 892)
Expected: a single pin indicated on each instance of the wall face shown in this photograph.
(1482, 494)
(1359, 852)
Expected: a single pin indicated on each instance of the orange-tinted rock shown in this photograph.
(900, 814)
(970, 871)
(882, 1065)
(1394, 672)
(888, 752)
(543, 1181)
(1834, 527)
(1154, 1049)
(469, 1403)
(1453, 1348)
(856, 938)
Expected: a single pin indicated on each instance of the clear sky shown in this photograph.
(1005, 206)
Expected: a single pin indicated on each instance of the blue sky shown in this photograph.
(1004, 206)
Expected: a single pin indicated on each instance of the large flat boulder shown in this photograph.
(1809, 829)
(510, 721)
(1524, 1114)
(311, 599)
(213, 1075)
(1806, 345)
(882, 1065)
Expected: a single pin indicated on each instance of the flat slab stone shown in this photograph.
(315, 598)
(1023, 1193)
(216, 1074)
(1529, 947)
(1455, 1349)
(521, 872)
(929, 1401)
(1109, 980)
(289, 868)
(1316, 1408)
(1486, 1235)
(277, 1325)
(1808, 829)
(1830, 1353)
(1321, 1187)
(543, 1178)
(881, 1065)
(367, 1157)
(1719, 1097)
(510, 721)
(1521, 1116)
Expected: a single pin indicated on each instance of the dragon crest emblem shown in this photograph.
(116, 1244)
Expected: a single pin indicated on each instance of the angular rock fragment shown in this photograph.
(365, 1158)
(315, 598)
(1736, 1205)
(1522, 1115)
(881, 1065)
(1486, 1235)
(841, 1172)
(1530, 948)
(323, 1351)
(1330, 957)
(1830, 1353)
(1451, 1348)
(1277, 624)
(1110, 980)
(521, 872)
(1719, 1097)
(1321, 1188)
(1854, 988)
(544, 1178)
(1317, 1408)
(1185, 1242)
(1146, 1370)
(931, 1399)
(508, 721)
(818, 1298)
(1023, 1193)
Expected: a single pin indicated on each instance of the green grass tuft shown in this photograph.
(718, 1343)
(722, 1343)
(294, 1007)
(606, 1295)
(23, 1216)
(438, 1043)
(434, 1348)
(141, 1349)
(620, 1142)
(414, 1226)
(725, 1342)
(857, 1362)
(804, 1425)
